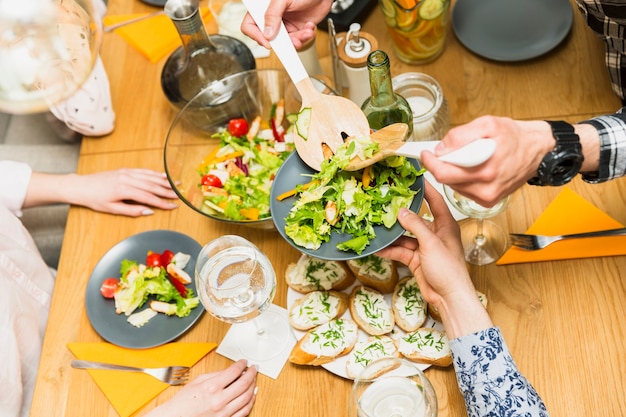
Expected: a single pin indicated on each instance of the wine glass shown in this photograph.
(393, 387)
(48, 50)
(483, 240)
(236, 283)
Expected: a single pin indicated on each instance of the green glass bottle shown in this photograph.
(384, 107)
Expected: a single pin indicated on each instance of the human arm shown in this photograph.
(486, 373)
(227, 393)
(300, 18)
(521, 145)
(128, 191)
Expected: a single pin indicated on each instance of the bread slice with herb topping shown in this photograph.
(409, 307)
(316, 308)
(371, 311)
(325, 343)
(313, 274)
(366, 351)
(425, 345)
(375, 272)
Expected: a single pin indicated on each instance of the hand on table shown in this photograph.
(300, 18)
(127, 191)
(226, 393)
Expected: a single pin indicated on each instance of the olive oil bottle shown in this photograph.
(384, 107)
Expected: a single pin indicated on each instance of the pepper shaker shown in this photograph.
(353, 49)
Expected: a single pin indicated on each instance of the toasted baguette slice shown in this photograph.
(325, 343)
(434, 313)
(375, 272)
(409, 307)
(426, 345)
(316, 308)
(366, 351)
(370, 311)
(313, 274)
(178, 274)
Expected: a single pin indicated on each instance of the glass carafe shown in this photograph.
(201, 59)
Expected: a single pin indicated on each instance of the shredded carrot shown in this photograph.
(207, 159)
(294, 191)
(367, 176)
(251, 213)
(226, 157)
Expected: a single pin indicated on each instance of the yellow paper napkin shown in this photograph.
(130, 391)
(154, 37)
(570, 213)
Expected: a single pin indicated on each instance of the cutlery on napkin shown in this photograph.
(130, 391)
(569, 213)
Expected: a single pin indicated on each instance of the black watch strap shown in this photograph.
(563, 163)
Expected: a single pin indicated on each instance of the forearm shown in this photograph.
(489, 379)
(463, 316)
(52, 188)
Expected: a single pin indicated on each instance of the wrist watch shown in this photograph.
(561, 164)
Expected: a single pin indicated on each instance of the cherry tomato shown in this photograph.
(109, 286)
(211, 180)
(166, 257)
(238, 127)
(153, 259)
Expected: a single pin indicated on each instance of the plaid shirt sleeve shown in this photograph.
(607, 18)
(612, 131)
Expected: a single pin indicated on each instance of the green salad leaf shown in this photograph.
(359, 205)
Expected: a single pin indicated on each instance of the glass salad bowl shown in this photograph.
(209, 160)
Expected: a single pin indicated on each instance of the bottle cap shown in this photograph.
(355, 46)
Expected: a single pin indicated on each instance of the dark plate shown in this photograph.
(511, 30)
(158, 3)
(101, 311)
(293, 172)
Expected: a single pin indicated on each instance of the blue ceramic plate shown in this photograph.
(160, 329)
(293, 172)
(511, 30)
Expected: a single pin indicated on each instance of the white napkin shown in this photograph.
(240, 335)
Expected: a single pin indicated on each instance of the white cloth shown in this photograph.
(26, 288)
(89, 111)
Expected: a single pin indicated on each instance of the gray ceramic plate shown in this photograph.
(511, 30)
(101, 311)
(293, 172)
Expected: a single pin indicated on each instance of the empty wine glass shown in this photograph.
(483, 240)
(393, 387)
(47, 50)
(236, 283)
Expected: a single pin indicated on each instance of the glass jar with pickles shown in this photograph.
(417, 27)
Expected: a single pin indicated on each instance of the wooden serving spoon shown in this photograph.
(391, 142)
(331, 116)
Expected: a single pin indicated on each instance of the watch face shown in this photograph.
(566, 165)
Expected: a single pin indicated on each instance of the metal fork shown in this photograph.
(173, 375)
(535, 242)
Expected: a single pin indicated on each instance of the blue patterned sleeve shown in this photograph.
(489, 379)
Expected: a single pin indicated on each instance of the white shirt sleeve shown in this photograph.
(14, 180)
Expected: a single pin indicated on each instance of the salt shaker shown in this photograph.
(353, 49)
(431, 119)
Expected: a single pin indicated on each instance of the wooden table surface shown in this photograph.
(564, 321)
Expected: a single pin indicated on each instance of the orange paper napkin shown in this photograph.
(154, 37)
(570, 213)
(130, 391)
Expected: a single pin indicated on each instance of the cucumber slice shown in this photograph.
(292, 117)
(432, 9)
(303, 122)
(388, 8)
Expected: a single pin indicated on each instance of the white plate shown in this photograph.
(511, 30)
(338, 366)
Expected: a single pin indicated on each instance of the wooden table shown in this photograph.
(564, 321)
